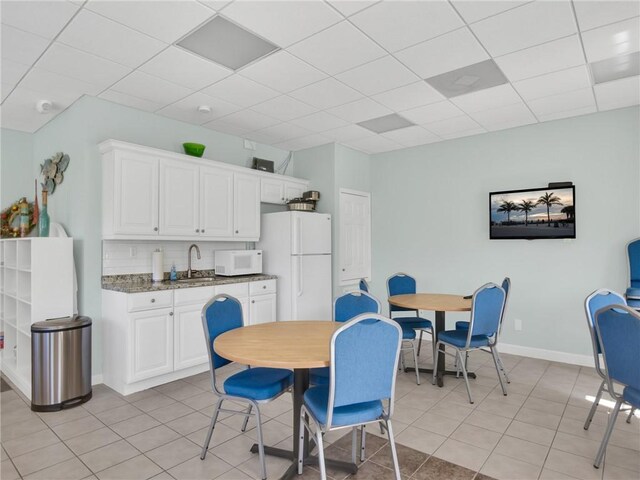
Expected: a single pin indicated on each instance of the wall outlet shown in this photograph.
(133, 251)
(517, 324)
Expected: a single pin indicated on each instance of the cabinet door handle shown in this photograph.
(197, 230)
(253, 301)
(171, 314)
(202, 231)
(155, 229)
(237, 231)
(264, 287)
(153, 300)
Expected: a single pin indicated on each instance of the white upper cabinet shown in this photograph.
(216, 202)
(246, 201)
(179, 199)
(134, 202)
(148, 192)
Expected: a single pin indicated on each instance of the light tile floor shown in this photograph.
(534, 432)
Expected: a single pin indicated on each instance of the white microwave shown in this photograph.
(230, 263)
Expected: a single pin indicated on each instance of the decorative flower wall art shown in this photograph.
(52, 171)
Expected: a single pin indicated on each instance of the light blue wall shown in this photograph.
(76, 204)
(430, 218)
(16, 167)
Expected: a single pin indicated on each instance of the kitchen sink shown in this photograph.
(195, 280)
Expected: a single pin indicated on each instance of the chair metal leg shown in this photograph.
(594, 407)
(301, 443)
(394, 454)
(607, 433)
(420, 343)
(415, 363)
(246, 419)
(435, 365)
(354, 443)
(494, 353)
(363, 437)
(319, 443)
(464, 374)
(381, 428)
(263, 466)
(630, 414)
(504, 371)
(207, 440)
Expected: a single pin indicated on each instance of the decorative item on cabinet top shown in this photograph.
(193, 149)
(52, 171)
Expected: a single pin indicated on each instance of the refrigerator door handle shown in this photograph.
(297, 231)
(300, 280)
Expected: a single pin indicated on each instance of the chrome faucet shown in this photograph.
(189, 271)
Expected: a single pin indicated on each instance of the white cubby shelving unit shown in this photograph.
(36, 283)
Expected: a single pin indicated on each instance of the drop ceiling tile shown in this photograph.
(319, 122)
(504, 117)
(597, 13)
(432, 113)
(95, 34)
(219, 125)
(240, 91)
(130, 101)
(562, 102)
(166, 20)
(283, 23)
(567, 80)
(525, 26)
(186, 109)
(568, 113)
(490, 98)
(185, 68)
(541, 59)
(18, 112)
(284, 131)
(360, 110)
(142, 85)
(41, 80)
(409, 96)
(337, 49)
(284, 108)
(261, 138)
(43, 18)
(378, 76)
(473, 10)
(216, 5)
(618, 94)
(374, 144)
(613, 40)
(349, 7)
(411, 136)
(326, 94)
(283, 72)
(448, 52)
(397, 25)
(71, 62)
(452, 126)
(12, 72)
(21, 47)
(250, 120)
(303, 142)
(347, 133)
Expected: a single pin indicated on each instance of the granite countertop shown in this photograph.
(138, 283)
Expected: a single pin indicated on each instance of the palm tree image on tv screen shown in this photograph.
(533, 213)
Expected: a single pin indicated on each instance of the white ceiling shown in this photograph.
(340, 63)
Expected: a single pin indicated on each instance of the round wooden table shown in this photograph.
(439, 303)
(296, 345)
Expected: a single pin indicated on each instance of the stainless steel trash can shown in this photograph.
(60, 363)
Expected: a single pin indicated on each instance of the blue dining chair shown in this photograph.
(364, 362)
(345, 308)
(254, 386)
(402, 284)
(618, 330)
(464, 325)
(487, 305)
(633, 256)
(363, 285)
(595, 301)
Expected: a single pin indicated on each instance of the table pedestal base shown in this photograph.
(440, 374)
(292, 471)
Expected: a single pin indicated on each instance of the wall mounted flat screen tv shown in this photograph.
(532, 214)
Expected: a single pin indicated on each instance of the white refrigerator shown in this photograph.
(296, 246)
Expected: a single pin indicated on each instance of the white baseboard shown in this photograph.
(96, 379)
(551, 355)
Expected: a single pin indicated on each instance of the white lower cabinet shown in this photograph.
(151, 340)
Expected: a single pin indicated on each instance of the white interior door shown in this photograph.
(312, 291)
(355, 236)
(311, 233)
